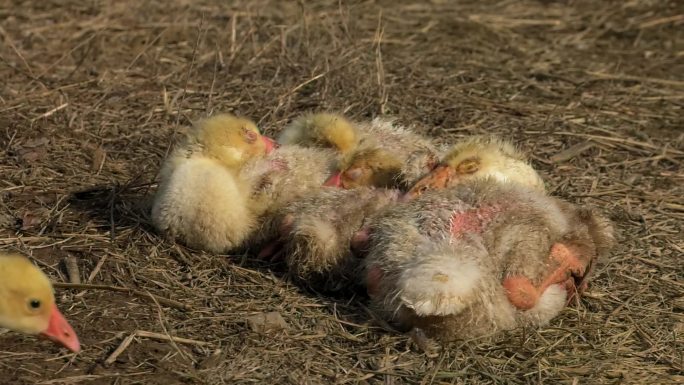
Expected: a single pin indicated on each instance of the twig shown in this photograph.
(603, 193)
(73, 272)
(213, 80)
(673, 206)
(380, 68)
(52, 111)
(187, 80)
(233, 36)
(146, 47)
(506, 22)
(67, 54)
(160, 314)
(180, 340)
(145, 334)
(662, 20)
(640, 79)
(571, 152)
(192, 63)
(96, 269)
(18, 53)
(89, 377)
(112, 226)
(300, 85)
(137, 293)
(609, 139)
(116, 353)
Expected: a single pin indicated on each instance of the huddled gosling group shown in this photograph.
(458, 241)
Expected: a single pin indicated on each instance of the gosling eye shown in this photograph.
(420, 190)
(34, 304)
(354, 173)
(417, 191)
(250, 136)
(469, 166)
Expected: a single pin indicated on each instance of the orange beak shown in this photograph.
(61, 332)
(270, 143)
(334, 181)
(439, 178)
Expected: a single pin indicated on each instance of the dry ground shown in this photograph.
(93, 92)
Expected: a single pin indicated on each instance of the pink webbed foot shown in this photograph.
(521, 292)
(568, 261)
(565, 268)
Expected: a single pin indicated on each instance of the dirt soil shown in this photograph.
(93, 93)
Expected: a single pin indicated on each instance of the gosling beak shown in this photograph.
(345, 179)
(270, 143)
(334, 181)
(61, 332)
(439, 178)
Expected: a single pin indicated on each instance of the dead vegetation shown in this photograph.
(94, 92)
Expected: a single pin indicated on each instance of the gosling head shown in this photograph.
(373, 168)
(322, 129)
(231, 140)
(27, 303)
(479, 158)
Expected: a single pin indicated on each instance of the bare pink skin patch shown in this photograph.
(473, 220)
(565, 261)
(564, 265)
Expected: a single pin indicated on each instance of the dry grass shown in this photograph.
(93, 93)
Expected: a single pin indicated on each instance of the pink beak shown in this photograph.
(334, 181)
(270, 143)
(61, 332)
